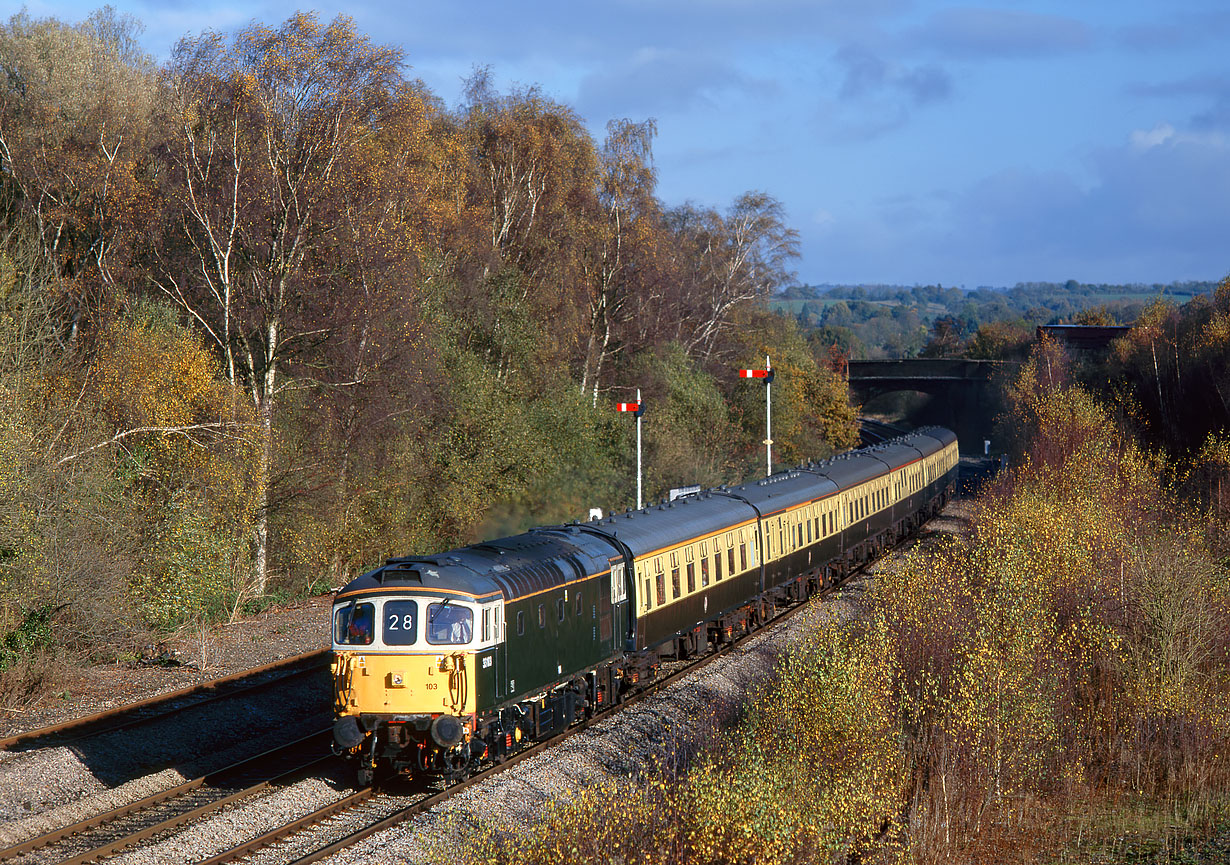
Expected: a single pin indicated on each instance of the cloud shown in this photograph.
(876, 96)
(1177, 31)
(1159, 208)
(1213, 88)
(866, 74)
(970, 32)
(926, 84)
(1158, 135)
(654, 81)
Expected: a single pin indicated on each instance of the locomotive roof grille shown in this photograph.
(404, 575)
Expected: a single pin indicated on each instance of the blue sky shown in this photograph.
(910, 142)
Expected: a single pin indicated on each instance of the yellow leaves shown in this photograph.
(150, 377)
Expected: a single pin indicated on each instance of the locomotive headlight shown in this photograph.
(397, 679)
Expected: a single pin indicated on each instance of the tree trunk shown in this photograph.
(265, 405)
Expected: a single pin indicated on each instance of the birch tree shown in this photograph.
(742, 256)
(629, 214)
(263, 125)
(78, 121)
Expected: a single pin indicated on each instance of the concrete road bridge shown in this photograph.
(963, 395)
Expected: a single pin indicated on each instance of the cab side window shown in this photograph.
(449, 624)
(355, 625)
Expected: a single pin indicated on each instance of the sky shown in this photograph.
(910, 143)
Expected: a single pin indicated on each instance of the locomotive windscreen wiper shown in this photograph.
(439, 609)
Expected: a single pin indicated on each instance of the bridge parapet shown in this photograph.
(928, 368)
(962, 394)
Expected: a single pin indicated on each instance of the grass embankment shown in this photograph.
(1056, 690)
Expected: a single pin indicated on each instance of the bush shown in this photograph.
(33, 636)
(30, 659)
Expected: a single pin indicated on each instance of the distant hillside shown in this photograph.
(897, 321)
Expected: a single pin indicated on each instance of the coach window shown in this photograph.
(704, 571)
(580, 604)
(648, 601)
(661, 588)
(520, 622)
(674, 583)
(353, 624)
(559, 609)
(691, 577)
(730, 560)
(542, 615)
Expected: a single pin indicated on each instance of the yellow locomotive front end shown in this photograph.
(405, 690)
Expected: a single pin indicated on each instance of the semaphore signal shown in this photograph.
(766, 375)
(637, 408)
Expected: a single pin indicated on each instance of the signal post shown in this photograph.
(767, 375)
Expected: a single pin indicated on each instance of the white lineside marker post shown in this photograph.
(767, 375)
(638, 408)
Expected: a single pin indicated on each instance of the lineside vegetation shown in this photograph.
(1055, 688)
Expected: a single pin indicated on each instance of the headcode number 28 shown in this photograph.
(407, 622)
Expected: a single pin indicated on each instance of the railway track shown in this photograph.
(166, 705)
(326, 831)
(361, 814)
(162, 812)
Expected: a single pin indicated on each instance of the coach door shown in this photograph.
(615, 622)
